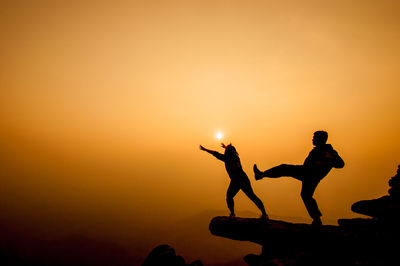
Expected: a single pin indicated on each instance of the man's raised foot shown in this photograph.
(257, 173)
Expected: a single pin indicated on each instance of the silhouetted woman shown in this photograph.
(239, 179)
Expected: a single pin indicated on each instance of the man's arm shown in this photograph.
(337, 161)
(217, 155)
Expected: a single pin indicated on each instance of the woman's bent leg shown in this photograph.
(233, 189)
(248, 190)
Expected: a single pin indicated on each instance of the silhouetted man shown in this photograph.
(316, 166)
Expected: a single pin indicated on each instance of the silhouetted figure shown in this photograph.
(239, 179)
(316, 166)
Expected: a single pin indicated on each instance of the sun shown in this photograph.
(219, 135)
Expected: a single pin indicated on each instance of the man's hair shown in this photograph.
(321, 135)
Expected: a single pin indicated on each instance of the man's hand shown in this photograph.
(202, 148)
(223, 145)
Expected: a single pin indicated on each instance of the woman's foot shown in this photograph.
(264, 217)
(257, 173)
(232, 216)
(316, 223)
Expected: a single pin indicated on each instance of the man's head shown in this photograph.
(320, 137)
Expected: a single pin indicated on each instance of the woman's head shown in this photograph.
(230, 150)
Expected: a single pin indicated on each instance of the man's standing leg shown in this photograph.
(309, 185)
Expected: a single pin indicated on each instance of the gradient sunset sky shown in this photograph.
(104, 105)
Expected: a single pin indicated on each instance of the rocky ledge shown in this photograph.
(264, 232)
(353, 242)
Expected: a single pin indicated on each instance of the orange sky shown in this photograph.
(104, 103)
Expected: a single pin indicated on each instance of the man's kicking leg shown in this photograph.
(295, 171)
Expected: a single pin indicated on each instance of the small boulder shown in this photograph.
(164, 255)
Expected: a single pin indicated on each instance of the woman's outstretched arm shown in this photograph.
(207, 150)
(217, 155)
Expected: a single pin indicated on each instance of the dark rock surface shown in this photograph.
(386, 208)
(262, 232)
(282, 243)
(354, 242)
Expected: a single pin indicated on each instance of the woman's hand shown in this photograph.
(202, 148)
